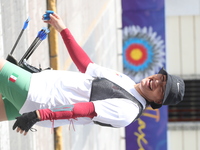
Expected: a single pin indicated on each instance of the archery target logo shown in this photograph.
(143, 52)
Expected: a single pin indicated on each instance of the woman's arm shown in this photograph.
(78, 55)
(27, 120)
(84, 109)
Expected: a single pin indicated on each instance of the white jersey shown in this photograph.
(52, 88)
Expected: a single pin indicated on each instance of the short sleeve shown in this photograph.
(96, 70)
(116, 112)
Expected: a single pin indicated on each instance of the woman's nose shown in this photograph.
(158, 82)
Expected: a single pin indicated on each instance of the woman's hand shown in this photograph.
(25, 122)
(56, 22)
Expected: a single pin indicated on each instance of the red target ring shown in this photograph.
(136, 54)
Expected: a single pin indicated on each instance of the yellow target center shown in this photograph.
(136, 54)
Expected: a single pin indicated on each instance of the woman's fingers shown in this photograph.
(21, 131)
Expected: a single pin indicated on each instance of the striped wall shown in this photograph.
(183, 46)
(183, 58)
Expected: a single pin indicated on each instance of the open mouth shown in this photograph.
(151, 84)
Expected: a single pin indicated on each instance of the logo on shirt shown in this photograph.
(178, 86)
(119, 75)
(13, 77)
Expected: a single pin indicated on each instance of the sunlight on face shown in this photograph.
(153, 87)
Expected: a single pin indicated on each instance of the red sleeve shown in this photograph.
(84, 109)
(78, 55)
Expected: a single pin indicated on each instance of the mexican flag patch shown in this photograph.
(13, 77)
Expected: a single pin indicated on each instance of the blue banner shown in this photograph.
(144, 55)
(149, 132)
(143, 37)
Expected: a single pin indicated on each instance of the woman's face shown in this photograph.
(152, 88)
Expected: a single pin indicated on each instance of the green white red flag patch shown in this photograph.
(13, 77)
